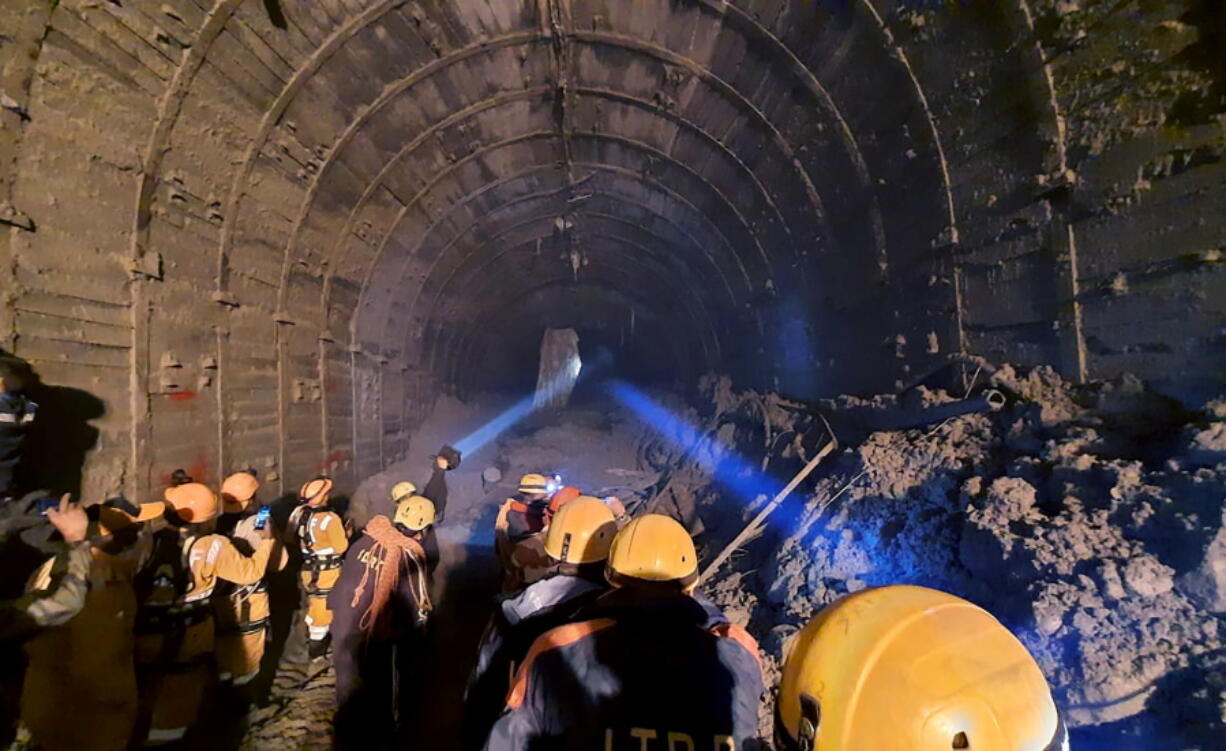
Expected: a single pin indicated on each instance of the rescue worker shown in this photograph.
(905, 668)
(577, 542)
(16, 415)
(559, 499)
(175, 628)
(87, 663)
(650, 662)
(242, 611)
(518, 522)
(444, 461)
(319, 533)
(380, 607)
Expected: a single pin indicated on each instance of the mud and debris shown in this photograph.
(1089, 518)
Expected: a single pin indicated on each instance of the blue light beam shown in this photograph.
(480, 437)
(721, 463)
(477, 439)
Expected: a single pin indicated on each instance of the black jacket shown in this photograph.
(668, 668)
(517, 621)
(16, 415)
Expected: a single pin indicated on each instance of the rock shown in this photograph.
(1147, 577)
(1206, 585)
(1061, 515)
(1110, 581)
(1207, 446)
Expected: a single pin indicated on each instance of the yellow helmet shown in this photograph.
(402, 490)
(905, 668)
(414, 513)
(581, 531)
(534, 483)
(652, 548)
(237, 490)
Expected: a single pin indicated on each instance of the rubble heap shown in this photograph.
(1091, 519)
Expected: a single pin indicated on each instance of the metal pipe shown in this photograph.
(989, 401)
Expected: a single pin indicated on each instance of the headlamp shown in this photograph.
(554, 484)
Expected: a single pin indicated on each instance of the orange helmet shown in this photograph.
(315, 492)
(193, 502)
(112, 520)
(237, 491)
(563, 497)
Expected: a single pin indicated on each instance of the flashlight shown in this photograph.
(554, 484)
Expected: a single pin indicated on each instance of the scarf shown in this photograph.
(384, 559)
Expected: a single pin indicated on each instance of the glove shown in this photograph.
(450, 455)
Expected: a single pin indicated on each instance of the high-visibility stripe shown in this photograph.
(243, 680)
(740, 636)
(559, 637)
(166, 735)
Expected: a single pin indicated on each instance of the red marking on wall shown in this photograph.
(331, 385)
(186, 395)
(333, 461)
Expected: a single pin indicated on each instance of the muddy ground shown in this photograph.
(1090, 519)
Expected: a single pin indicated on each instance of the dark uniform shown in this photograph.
(436, 491)
(373, 646)
(645, 671)
(16, 415)
(517, 542)
(516, 623)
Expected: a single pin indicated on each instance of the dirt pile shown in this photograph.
(1090, 519)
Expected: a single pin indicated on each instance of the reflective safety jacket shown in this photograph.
(180, 589)
(516, 623)
(644, 672)
(87, 664)
(320, 535)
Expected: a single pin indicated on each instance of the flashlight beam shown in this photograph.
(744, 479)
(477, 439)
(754, 526)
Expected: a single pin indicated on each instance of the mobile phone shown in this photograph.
(261, 517)
(47, 503)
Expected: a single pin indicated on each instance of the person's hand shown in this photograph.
(448, 458)
(70, 519)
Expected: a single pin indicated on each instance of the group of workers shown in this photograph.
(603, 643)
(599, 639)
(144, 607)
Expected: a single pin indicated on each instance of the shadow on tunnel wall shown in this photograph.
(60, 438)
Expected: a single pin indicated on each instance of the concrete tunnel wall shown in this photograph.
(267, 233)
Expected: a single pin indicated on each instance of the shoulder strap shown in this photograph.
(557, 638)
(304, 527)
(738, 635)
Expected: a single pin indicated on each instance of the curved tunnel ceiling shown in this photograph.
(292, 224)
(693, 162)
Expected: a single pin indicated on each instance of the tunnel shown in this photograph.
(274, 233)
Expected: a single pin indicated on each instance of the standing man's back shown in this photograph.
(650, 662)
